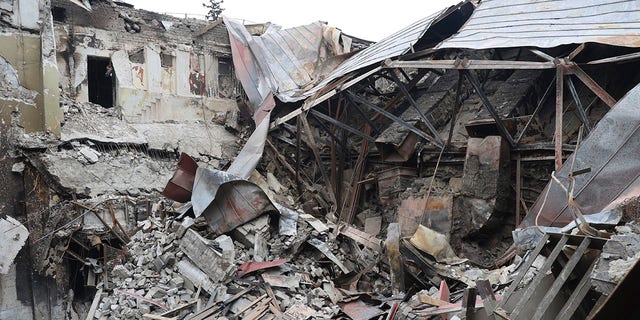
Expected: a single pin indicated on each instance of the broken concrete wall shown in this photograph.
(164, 69)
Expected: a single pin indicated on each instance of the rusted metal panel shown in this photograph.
(547, 24)
(358, 310)
(180, 185)
(251, 266)
(611, 152)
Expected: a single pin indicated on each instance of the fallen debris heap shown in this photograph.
(480, 163)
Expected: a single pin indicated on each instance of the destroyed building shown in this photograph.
(479, 163)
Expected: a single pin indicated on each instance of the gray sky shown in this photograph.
(370, 20)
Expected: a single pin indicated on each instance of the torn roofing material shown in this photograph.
(401, 42)
(279, 62)
(611, 152)
(422, 34)
(547, 24)
(284, 61)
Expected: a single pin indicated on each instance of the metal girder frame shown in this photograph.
(544, 98)
(582, 114)
(485, 101)
(325, 117)
(414, 104)
(559, 109)
(393, 117)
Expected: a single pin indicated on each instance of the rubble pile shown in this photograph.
(217, 170)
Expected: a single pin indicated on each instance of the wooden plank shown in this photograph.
(469, 302)
(577, 295)
(561, 279)
(94, 305)
(488, 298)
(524, 268)
(431, 301)
(533, 285)
(362, 237)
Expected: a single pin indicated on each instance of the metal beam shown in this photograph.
(582, 114)
(414, 104)
(456, 109)
(328, 131)
(340, 125)
(393, 117)
(544, 98)
(469, 64)
(317, 99)
(559, 110)
(624, 57)
(366, 118)
(591, 84)
(485, 101)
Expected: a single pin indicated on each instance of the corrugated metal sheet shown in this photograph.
(611, 152)
(298, 62)
(286, 61)
(394, 45)
(549, 23)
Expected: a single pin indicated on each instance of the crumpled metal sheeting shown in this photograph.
(227, 201)
(235, 203)
(611, 151)
(547, 24)
(205, 187)
(284, 61)
(527, 238)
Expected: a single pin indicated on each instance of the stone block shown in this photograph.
(216, 258)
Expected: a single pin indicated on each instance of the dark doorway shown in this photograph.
(100, 77)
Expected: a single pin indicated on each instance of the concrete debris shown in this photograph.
(155, 175)
(13, 237)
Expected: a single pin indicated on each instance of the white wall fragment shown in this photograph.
(13, 236)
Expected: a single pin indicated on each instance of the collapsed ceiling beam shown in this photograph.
(485, 101)
(593, 85)
(315, 100)
(393, 117)
(544, 98)
(582, 114)
(414, 104)
(366, 118)
(341, 125)
(559, 111)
